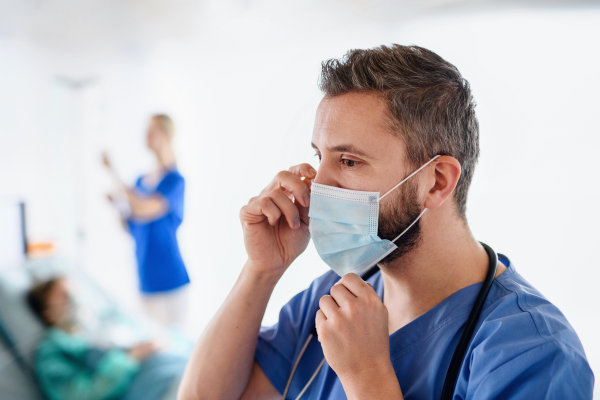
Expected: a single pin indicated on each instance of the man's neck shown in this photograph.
(447, 260)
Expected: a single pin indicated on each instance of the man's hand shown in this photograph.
(275, 223)
(352, 325)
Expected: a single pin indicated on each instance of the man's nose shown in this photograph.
(326, 175)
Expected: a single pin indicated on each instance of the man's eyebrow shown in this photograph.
(345, 148)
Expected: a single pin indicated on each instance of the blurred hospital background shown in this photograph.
(239, 78)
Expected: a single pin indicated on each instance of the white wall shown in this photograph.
(243, 94)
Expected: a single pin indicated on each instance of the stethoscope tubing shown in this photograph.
(461, 347)
(467, 334)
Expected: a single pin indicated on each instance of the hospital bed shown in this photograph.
(107, 325)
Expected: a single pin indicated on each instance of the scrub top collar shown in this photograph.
(145, 188)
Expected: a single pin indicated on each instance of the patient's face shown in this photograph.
(58, 304)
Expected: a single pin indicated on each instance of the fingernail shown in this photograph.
(307, 199)
(297, 223)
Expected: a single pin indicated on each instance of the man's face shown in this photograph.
(359, 152)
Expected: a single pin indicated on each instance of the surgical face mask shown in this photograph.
(343, 226)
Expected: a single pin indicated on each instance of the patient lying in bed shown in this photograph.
(69, 368)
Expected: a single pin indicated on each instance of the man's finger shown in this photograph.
(294, 185)
(320, 319)
(341, 294)
(328, 305)
(287, 208)
(303, 170)
(259, 209)
(252, 199)
(303, 211)
(356, 285)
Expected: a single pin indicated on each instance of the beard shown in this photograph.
(401, 211)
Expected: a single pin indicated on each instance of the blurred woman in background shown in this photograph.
(153, 213)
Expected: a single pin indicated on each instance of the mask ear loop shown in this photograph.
(414, 222)
(408, 177)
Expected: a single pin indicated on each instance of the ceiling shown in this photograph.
(83, 25)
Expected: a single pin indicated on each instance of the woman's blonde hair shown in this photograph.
(166, 123)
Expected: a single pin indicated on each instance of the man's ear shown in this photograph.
(443, 178)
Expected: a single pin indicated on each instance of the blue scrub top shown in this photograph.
(160, 266)
(523, 347)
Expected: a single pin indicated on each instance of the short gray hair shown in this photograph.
(430, 103)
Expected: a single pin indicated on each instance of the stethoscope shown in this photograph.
(461, 347)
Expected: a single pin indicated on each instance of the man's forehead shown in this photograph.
(358, 120)
(367, 107)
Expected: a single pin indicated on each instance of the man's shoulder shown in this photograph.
(518, 321)
(525, 347)
(520, 299)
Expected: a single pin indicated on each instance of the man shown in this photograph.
(387, 113)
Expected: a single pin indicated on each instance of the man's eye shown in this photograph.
(349, 163)
(318, 155)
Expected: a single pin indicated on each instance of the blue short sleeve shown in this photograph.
(525, 350)
(279, 345)
(550, 371)
(171, 188)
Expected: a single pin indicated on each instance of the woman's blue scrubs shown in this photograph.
(523, 347)
(160, 266)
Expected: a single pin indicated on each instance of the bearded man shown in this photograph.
(396, 135)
